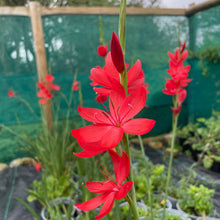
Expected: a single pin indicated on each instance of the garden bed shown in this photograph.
(15, 181)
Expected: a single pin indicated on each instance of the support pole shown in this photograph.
(41, 61)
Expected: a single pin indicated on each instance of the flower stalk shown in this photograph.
(133, 202)
(174, 127)
(123, 77)
(147, 176)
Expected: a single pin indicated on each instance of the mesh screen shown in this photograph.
(71, 42)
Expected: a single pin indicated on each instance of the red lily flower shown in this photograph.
(108, 77)
(117, 53)
(11, 93)
(176, 110)
(38, 166)
(75, 86)
(111, 189)
(110, 126)
(102, 50)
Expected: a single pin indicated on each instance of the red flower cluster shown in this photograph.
(108, 77)
(111, 189)
(46, 89)
(109, 126)
(75, 85)
(179, 73)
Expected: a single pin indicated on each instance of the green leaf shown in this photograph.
(29, 208)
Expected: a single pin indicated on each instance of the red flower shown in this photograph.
(110, 126)
(75, 86)
(38, 166)
(102, 50)
(110, 189)
(108, 77)
(101, 98)
(179, 80)
(46, 88)
(181, 96)
(11, 93)
(176, 110)
(172, 87)
(117, 53)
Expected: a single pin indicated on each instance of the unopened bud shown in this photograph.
(117, 53)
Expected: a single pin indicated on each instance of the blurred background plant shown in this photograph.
(202, 140)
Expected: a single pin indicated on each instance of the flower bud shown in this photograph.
(117, 53)
(102, 50)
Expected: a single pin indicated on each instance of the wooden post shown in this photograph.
(37, 28)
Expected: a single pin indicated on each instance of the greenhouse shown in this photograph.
(110, 111)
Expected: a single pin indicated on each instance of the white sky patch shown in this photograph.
(57, 43)
(179, 3)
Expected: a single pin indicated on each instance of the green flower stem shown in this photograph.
(122, 25)
(147, 176)
(123, 77)
(28, 106)
(131, 178)
(133, 207)
(174, 127)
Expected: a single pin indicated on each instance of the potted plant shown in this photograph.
(201, 139)
(61, 208)
(196, 201)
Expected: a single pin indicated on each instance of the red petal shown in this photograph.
(93, 203)
(102, 91)
(90, 133)
(182, 96)
(110, 68)
(100, 186)
(112, 137)
(115, 160)
(124, 190)
(117, 53)
(100, 77)
(133, 104)
(94, 115)
(87, 153)
(134, 72)
(123, 169)
(106, 208)
(138, 126)
(184, 55)
(176, 110)
(117, 97)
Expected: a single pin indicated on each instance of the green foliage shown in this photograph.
(172, 217)
(125, 213)
(211, 54)
(49, 188)
(157, 178)
(204, 136)
(197, 200)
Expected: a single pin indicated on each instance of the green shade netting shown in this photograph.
(71, 43)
